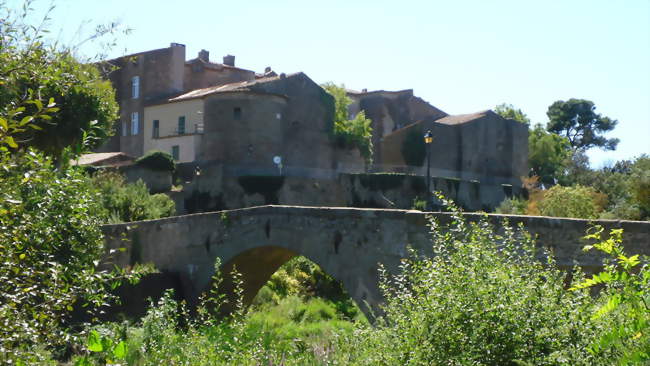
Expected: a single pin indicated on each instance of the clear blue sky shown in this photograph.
(461, 56)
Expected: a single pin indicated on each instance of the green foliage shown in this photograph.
(124, 202)
(482, 299)
(413, 148)
(627, 291)
(103, 350)
(51, 243)
(510, 112)
(626, 185)
(640, 183)
(355, 132)
(419, 204)
(157, 160)
(302, 278)
(577, 120)
(49, 100)
(547, 154)
(512, 206)
(577, 201)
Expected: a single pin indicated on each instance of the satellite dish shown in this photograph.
(277, 160)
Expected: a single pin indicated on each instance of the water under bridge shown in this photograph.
(347, 243)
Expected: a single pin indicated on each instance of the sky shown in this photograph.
(460, 56)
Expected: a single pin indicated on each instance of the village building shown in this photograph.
(256, 124)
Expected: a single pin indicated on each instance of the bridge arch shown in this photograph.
(257, 265)
(347, 243)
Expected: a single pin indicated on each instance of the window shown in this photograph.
(125, 129)
(278, 116)
(181, 125)
(135, 123)
(156, 129)
(175, 152)
(135, 87)
(236, 113)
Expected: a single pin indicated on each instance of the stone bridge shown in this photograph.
(347, 243)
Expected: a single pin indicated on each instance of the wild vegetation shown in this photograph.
(561, 182)
(350, 132)
(485, 298)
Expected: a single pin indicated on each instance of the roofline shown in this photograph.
(215, 64)
(170, 100)
(351, 92)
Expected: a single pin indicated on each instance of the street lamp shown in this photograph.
(428, 139)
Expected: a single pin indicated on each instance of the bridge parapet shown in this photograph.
(348, 243)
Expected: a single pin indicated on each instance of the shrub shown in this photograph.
(349, 133)
(130, 202)
(157, 160)
(512, 206)
(482, 299)
(577, 201)
(51, 242)
(627, 281)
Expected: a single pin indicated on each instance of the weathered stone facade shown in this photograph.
(347, 243)
(212, 113)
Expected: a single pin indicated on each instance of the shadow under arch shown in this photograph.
(257, 265)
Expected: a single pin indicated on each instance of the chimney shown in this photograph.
(204, 55)
(229, 60)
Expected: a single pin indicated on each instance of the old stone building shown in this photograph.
(247, 124)
(234, 122)
(150, 77)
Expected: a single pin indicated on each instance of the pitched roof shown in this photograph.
(462, 118)
(107, 158)
(242, 86)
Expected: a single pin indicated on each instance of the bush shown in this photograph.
(349, 133)
(512, 206)
(124, 202)
(482, 299)
(577, 201)
(51, 242)
(157, 160)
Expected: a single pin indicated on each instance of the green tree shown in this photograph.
(50, 236)
(548, 154)
(510, 112)
(35, 77)
(355, 132)
(51, 243)
(577, 120)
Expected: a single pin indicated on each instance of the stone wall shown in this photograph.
(348, 243)
(221, 187)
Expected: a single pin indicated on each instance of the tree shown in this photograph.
(510, 112)
(35, 77)
(577, 120)
(548, 154)
(355, 132)
(50, 236)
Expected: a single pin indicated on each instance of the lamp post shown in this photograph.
(428, 139)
